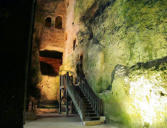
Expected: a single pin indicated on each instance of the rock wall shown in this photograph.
(49, 88)
(49, 85)
(52, 38)
(114, 37)
(71, 31)
(47, 36)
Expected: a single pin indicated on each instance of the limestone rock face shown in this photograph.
(49, 35)
(141, 93)
(132, 34)
(127, 32)
(52, 37)
(49, 87)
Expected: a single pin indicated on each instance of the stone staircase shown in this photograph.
(89, 113)
(87, 104)
(91, 117)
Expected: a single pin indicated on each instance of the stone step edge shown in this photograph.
(95, 122)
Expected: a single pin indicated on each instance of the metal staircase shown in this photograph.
(87, 104)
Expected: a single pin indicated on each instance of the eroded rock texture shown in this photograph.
(49, 37)
(123, 46)
(124, 49)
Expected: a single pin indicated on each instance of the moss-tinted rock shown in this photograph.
(123, 32)
(141, 94)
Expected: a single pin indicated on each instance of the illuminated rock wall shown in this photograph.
(124, 47)
(71, 31)
(49, 35)
(139, 94)
(49, 85)
(52, 38)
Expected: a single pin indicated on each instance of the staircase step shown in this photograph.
(84, 98)
(86, 101)
(88, 118)
(94, 122)
(88, 104)
(89, 107)
(90, 111)
(91, 114)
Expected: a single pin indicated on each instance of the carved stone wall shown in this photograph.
(52, 38)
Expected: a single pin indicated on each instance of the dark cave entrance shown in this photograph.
(50, 62)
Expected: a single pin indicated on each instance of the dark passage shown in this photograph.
(50, 62)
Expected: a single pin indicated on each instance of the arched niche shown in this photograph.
(58, 22)
(48, 22)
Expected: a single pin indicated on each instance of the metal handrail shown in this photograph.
(76, 98)
(95, 101)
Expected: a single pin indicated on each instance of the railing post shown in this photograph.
(60, 101)
(91, 96)
(66, 102)
(67, 76)
(60, 94)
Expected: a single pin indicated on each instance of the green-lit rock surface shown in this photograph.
(141, 94)
(125, 32)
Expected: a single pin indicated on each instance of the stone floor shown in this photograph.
(61, 121)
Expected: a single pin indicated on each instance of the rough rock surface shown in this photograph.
(47, 38)
(132, 34)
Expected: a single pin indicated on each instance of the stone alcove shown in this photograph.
(58, 22)
(48, 22)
